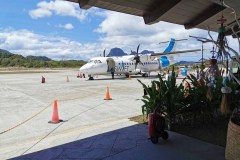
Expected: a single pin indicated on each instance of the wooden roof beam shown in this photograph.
(86, 4)
(155, 13)
(203, 16)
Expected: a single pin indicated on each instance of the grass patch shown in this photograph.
(139, 119)
(214, 133)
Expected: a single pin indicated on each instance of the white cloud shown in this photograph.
(67, 26)
(40, 13)
(51, 46)
(116, 30)
(58, 7)
(127, 31)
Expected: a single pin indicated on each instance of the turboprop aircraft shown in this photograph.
(132, 64)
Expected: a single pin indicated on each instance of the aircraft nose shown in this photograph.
(83, 69)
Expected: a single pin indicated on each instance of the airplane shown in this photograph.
(132, 64)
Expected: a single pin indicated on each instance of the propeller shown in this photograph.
(137, 58)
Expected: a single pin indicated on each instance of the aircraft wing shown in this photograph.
(175, 52)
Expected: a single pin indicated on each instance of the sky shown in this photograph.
(61, 30)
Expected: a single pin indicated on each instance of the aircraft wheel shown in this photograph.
(91, 78)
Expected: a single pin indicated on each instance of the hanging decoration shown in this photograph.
(225, 103)
(213, 69)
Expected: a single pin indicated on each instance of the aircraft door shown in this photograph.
(110, 64)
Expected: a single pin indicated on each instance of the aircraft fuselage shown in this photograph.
(122, 65)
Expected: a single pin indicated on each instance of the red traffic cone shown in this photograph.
(43, 79)
(129, 77)
(67, 79)
(55, 117)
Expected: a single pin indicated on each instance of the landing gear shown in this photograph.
(145, 75)
(90, 78)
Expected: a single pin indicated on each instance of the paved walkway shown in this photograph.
(129, 142)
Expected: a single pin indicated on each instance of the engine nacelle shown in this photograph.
(138, 71)
(146, 57)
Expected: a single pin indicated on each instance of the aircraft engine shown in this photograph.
(147, 57)
(138, 71)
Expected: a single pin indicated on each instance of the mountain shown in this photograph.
(116, 52)
(186, 62)
(38, 58)
(8, 59)
(4, 51)
(147, 52)
(143, 52)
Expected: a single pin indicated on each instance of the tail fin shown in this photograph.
(171, 46)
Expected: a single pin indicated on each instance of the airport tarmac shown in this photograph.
(80, 103)
(26, 106)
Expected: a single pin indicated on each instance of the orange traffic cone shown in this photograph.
(108, 94)
(129, 77)
(55, 118)
(67, 79)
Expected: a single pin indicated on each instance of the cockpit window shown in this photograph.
(95, 61)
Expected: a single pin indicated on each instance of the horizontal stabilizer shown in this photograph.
(175, 52)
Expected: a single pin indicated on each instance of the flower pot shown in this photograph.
(232, 151)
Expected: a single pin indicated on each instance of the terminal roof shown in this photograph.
(190, 13)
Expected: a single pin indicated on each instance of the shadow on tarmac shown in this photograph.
(130, 143)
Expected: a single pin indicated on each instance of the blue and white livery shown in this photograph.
(128, 65)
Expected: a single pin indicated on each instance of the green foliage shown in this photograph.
(202, 108)
(173, 66)
(197, 104)
(234, 95)
(183, 107)
(166, 100)
(14, 60)
(202, 67)
(38, 58)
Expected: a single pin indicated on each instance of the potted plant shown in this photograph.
(165, 93)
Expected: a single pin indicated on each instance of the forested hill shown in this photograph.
(8, 59)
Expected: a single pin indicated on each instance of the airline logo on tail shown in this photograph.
(171, 47)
